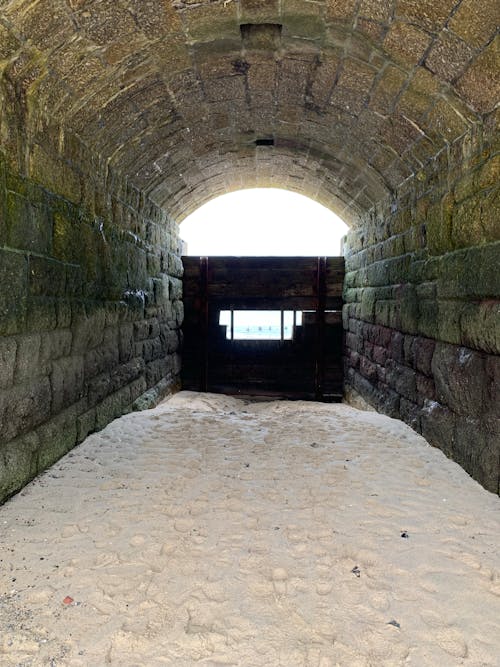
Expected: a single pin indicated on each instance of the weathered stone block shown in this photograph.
(255, 11)
(161, 289)
(112, 407)
(477, 449)
(137, 389)
(64, 313)
(175, 288)
(472, 272)
(354, 342)
(156, 370)
(30, 226)
(57, 437)
(410, 413)
(126, 343)
(55, 345)
(88, 329)
(426, 389)
(388, 313)
(41, 314)
(402, 379)
(399, 269)
(368, 369)
(24, 407)
(67, 382)
(177, 314)
(379, 355)
(409, 311)
(490, 215)
(476, 28)
(151, 349)
(86, 424)
(47, 277)
(74, 280)
(378, 274)
(98, 388)
(449, 321)
(492, 388)
(448, 56)
(18, 464)
(396, 346)
(423, 351)
(382, 336)
(169, 338)
(409, 350)
(426, 291)
(114, 314)
(141, 330)
(386, 90)
(126, 373)
(488, 175)
(68, 239)
(460, 374)
(428, 314)
(406, 43)
(8, 348)
(353, 359)
(175, 267)
(340, 10)
(388, 401)
(427, 14)
(480, 325)
(27, 358)
(438, 426)
(105, 357)
(368, 304)
(153, 264)
(13, 291)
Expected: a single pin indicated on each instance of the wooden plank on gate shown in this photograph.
(320, 327)
(204, 312)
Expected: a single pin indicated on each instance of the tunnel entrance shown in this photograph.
(295, 353)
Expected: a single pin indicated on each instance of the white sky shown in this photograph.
(263, 221)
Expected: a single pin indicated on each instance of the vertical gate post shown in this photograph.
(204, 323)
(320, 328)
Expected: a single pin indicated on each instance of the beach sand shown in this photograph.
(213, 531)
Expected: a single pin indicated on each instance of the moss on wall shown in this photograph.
(423, 307)
(89, 319)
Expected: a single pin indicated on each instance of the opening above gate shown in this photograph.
(263, 222)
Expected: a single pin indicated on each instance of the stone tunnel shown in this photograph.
(120, 117)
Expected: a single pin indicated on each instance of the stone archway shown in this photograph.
(118, 118)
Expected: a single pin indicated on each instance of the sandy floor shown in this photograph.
(212, 532)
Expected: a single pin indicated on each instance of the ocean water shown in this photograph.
(259, 324)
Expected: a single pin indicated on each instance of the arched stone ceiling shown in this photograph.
(341, 100)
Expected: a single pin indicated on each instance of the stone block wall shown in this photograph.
(90, 310)
(422, 313)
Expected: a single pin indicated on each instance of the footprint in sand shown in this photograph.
(280, 578)
(324, 587)
(69, 531)
(451, 641)
(183, 525)
(447, 637)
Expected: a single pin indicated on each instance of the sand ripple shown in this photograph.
(214, 532)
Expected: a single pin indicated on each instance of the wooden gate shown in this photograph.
(297, 350)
